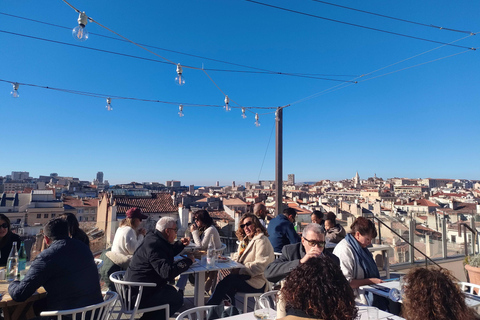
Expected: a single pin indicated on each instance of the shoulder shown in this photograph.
(290, 248)
(342, 248)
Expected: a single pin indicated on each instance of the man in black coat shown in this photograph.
(66, 270)
(311, 246)
(153, 261)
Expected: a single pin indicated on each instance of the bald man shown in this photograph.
(261, 212)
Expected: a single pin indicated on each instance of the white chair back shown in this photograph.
(221, 249)
(129, 303)
(271, 296)
(100, 311)
(277, 255)
(470, 288)
(197, 313)
(99, 263)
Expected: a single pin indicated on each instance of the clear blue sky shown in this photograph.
(419, 122)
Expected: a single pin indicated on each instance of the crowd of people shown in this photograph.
(317, 283)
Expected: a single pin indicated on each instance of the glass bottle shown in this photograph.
(211, 253)
(22, 262)
(12, 263)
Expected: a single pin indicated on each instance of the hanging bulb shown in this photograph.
(243, 113)
(227, 101)
(14, 92)
(180, 110)
(179, 79)
(79, 32)
(257, 124)
(109, 106)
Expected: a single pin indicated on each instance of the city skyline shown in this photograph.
(403, 120)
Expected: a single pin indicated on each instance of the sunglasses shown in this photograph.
(313, 243)
(249, 223)
(4, 225)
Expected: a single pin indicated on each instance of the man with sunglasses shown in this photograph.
(311, 246)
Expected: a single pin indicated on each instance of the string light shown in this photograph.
(179, 79)
(257, 124)
(109, 106)
(14, 92)
(243, 113)
(79, 32)
(180, 111)
(227, 101)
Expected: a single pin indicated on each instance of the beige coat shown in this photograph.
(257, 256)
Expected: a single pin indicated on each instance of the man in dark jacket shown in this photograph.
(66, 270)
(281, 231)
(312, 245)
(153, 261)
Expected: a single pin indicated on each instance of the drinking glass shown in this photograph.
(372, 313)
(262, 309)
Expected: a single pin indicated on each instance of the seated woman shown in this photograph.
(432, 294)
(203, 229)
(317, 289)
(127, 239)
(255, 252)
(356, 262)
(7, 238)
(334, 232)
(74, 228)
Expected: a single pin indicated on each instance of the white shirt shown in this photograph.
(202, 243)
(126, 241)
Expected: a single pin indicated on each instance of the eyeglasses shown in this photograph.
(174, 229)
(313, 243)
(249, 223)
(4, 225)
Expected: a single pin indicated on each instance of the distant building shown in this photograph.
(291, 179)
(233, 184)
(100, 176)
(173, 184)
(217, 184)
(191, 189)
(20, 175)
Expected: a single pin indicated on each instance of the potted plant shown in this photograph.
(472, 266)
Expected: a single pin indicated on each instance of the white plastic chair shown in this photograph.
(100, 311)
(277, 255)
(221, 249)
(128, 305)
(197, 313)
(245, 296)
(99, 263)
(470, 288)
(271, 296)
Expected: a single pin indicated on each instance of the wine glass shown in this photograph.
(262, 309)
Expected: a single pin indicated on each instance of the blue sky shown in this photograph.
(419, 122)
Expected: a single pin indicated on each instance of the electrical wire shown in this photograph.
(355, 25)
(265, 155)
(259, 70)
(393, 18)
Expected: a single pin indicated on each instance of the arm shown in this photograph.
(364, 282)
(263, 252)
(281, 267)
(197, 240)
(291, 234)
(168, 270)
(132, 241)
(34, 279)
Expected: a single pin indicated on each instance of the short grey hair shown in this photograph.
(165, 223)
(314, 227)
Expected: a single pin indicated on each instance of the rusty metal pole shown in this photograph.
(278, 161)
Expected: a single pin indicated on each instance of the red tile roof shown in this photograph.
(158, 203)
(423, 203)
(77, 202)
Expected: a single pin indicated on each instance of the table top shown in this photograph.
(198, 267)
(7, 301)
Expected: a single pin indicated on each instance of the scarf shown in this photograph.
(363, 258)
(243, 246)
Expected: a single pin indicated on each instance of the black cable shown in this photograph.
(393, 18)
(357, 25)
(305, 75)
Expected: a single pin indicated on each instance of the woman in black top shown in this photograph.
(74, 228)
(7, 238)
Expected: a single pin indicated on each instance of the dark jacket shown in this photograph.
(289, 260)
(68, 273)
(281, 232)
(335, 234)
(153, 261)
(7, 247)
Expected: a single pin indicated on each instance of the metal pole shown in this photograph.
(444, 237)
(279, 162)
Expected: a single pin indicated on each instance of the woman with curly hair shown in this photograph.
(317, 289)
(255, 252)
(432, 294)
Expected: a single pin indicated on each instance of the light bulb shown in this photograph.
(180, 111)
(243, 113)
(109, 106)
(257, 124)
(14, 92)
(227, 108)
(179, 79)
(79, 32)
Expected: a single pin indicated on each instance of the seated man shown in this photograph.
(311, 246)
(281, 231)
(65, 269)
(153, 261)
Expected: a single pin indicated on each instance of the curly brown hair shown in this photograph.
(258, 226)
(319, 288)
(432, 294)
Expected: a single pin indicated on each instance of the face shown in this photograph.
(172, 233)
(313, 239)
(248, 227)
(136, 223)
(3, 228)
(365, 240)
(199, 223)
(328, 225)
(315, 219)
(291, 218)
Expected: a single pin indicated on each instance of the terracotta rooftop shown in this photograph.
(220, 215)
(76, 202)
(422, 203)
(158, 203)
(234, 202)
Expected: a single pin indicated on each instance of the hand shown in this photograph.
(142, 231)
(185, 241)
(191, 257)
(376, 280)
(313, 253)
(193, 227)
